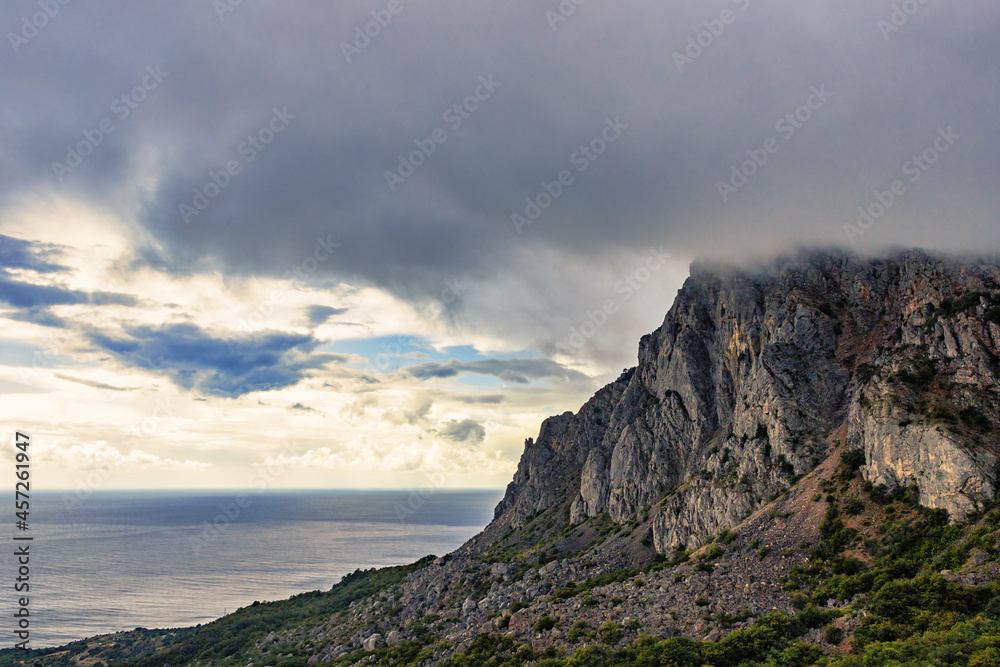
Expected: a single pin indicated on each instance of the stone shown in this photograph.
(500, 569)
(373, 642)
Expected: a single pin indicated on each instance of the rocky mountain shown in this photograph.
(801, 469)
(756, 373)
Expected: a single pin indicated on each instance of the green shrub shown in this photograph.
(853, 506)
(713, 552)
(941, 413)
(833, 635)
(846, 565)
(853, 459)
(610, 632)
(681, 556)
(993, 607)
(835, 535)
(989, 657)
(921, 377)
(965, 302)
(579, 630)
(546, 623)
(565, 593)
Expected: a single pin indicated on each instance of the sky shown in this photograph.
(373, 243)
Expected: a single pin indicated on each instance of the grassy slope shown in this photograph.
(879, 552)
(227, 641)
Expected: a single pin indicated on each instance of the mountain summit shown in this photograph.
(755, 376)
(801, 470)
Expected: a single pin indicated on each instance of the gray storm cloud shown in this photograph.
(714, 129)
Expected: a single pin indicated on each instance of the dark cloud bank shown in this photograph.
(804, 112)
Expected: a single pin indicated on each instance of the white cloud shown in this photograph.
(422, 456)
(101, 455)
(87, 421)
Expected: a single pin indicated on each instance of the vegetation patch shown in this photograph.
(231, 640)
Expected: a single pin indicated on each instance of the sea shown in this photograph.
(118, 560)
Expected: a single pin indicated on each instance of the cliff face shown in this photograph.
(753, 379)
(754, 375)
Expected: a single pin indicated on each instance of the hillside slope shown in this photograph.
(802, 469)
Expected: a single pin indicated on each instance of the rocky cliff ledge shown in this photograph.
(806, 429)
(755, 373)
(788, 429)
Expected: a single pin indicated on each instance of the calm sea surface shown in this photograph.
(121, 560)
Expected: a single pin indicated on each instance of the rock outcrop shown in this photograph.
(754, 374)
(795, 412)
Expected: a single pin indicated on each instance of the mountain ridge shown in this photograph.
(758, 367)
(801, 469)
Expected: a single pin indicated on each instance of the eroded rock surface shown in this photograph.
(739, 389)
